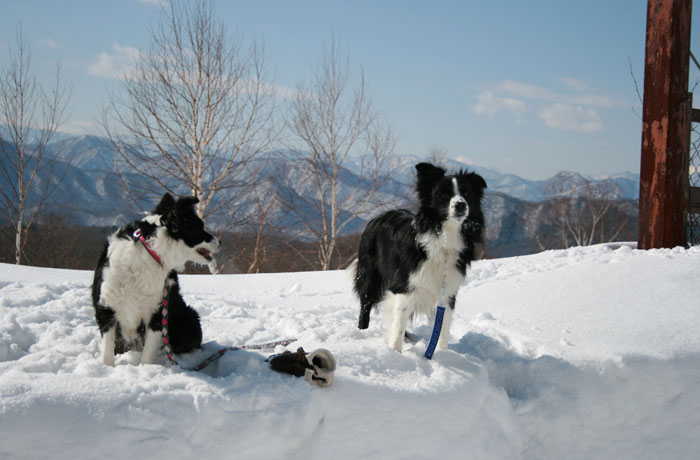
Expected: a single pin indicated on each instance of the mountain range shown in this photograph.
(91, 192)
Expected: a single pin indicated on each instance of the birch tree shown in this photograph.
(578, 212)
(335, 124)
(31, 115)
(194, 111)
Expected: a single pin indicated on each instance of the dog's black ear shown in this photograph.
(427, 176)
(187, 201)
(166, 204)
(477, 183)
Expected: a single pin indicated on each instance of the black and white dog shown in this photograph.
(127, 290)
(404, 258)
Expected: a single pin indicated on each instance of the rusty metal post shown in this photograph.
(663, 190)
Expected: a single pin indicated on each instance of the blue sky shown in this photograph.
(529, 88)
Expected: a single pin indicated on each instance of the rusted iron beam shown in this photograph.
(694, 205)
(695, 116)
(663, 190)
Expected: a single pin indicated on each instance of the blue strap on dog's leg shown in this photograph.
(439, 313)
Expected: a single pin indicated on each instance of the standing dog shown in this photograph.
(131, 274)
(405, 260)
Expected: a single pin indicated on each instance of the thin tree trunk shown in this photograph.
(18, 237)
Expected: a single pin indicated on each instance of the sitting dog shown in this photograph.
(138, 262)
(406, 260)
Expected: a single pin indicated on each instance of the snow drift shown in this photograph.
(578, 354)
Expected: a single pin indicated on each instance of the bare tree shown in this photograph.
(31, 115)
(259, 248)
(193, 113)
(262, 227)
(336, 125)
(437, 155)
(577, 212)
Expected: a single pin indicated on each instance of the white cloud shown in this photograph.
(285, 92)
(571, 118)
(116, 65)
(582, 94)
(50, 43)
(573, 109)
(523, 90)
(488, 104)
(576, 85)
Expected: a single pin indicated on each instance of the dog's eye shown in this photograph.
(442, 192)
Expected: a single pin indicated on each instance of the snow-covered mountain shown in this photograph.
(90, 190)
(626, 183)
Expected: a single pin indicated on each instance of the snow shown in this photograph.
(586, 353)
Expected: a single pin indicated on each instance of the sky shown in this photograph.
(527, 88)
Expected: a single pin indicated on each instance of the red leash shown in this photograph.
(137, 234)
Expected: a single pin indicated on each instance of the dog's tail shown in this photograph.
(352, 270)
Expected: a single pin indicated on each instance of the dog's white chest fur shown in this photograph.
(440, 267)
(132, 285)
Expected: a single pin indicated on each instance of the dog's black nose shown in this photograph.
(460, 207)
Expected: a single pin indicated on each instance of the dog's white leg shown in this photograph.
(108, 346)
(445, 331)
(151, 345)
(399, 320)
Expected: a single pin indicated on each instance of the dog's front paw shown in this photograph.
(108, 360)
(151, 346)
(397, 344)
(108, 347)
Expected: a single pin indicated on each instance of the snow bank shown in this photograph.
(584, 353)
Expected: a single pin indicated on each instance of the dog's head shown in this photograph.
(183, 225)
(450, 196)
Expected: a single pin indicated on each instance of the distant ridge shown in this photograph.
(90, 191)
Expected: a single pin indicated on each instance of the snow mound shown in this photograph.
(578, 354)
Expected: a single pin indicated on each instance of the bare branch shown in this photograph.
(335, 124)
(193, 114)
(32, 116)
(578, 211)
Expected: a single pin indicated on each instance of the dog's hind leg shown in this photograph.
(151, 345)
(108, 338)
(368, 287)
(365, 308)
